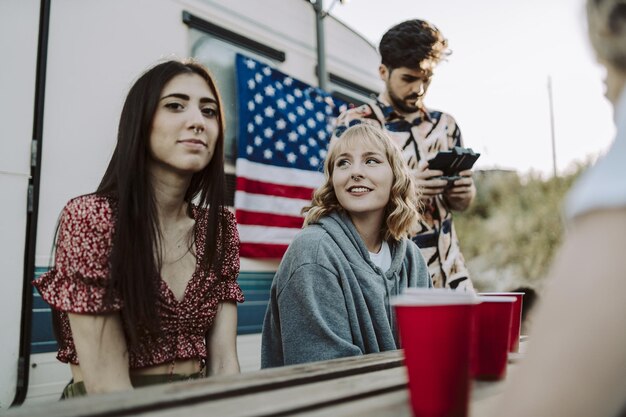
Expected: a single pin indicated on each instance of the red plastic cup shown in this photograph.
(516, 318)
(492, 321)
(435, 333)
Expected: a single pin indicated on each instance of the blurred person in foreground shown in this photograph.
(144, 285)
(330, 296)
(410, 51)
(576, 363)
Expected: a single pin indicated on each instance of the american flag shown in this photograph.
(284, 129)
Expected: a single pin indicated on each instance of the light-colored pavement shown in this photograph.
(249, 350)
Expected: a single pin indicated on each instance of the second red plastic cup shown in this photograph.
(516, 318)
(492, 327)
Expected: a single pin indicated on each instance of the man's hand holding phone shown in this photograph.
(448, 173)
(428, 180)
(461, 192)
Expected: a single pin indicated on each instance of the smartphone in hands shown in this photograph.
(452, 162)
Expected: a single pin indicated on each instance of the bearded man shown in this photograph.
(410, 51)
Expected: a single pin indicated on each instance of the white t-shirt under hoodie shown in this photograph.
(382, 259)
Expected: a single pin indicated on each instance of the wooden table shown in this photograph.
(369, 386)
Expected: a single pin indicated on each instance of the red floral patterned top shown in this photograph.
(78, 282)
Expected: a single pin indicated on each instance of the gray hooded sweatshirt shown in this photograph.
(328, 300)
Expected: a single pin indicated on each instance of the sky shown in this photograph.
(495, 83)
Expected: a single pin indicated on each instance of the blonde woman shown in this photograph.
(330, 295)
(576, 364)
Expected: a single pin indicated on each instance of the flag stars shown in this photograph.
(269, 111)
(289, 123)
(269, 91)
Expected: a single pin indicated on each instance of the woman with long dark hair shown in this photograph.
(144, 283)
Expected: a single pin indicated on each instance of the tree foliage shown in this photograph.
(510, 233)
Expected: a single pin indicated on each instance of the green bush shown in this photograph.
(510, 233)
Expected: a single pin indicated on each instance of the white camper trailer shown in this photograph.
(66, 67)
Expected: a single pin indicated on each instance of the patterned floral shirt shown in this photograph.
(78, 283)
(421, 135)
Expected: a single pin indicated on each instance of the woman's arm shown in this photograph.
(576, 364)
(222, 341)
(102, 352)
(312, 320)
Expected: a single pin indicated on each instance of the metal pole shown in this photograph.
(23, 362)
(552, 126)
(322, 76)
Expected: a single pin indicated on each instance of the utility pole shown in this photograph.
(322, 75)
(552, 126)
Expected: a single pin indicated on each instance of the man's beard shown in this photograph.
(401, 104)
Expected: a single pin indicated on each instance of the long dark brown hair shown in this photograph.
(135, 262)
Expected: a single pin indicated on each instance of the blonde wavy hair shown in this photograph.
(401, 214)
(607, 30)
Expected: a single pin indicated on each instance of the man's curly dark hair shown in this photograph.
(412, 43)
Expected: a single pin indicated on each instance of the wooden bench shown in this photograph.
(371, 385)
